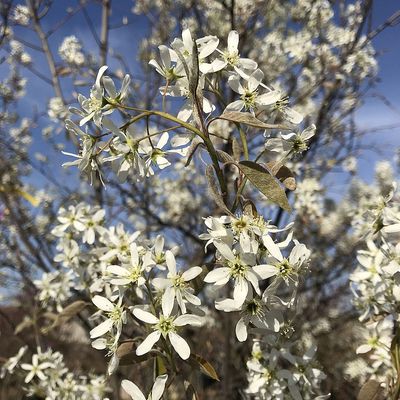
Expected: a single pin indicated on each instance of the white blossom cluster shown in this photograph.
(45, 375)
(376, 283)
(70, 51)
(137, 155)
(275, 371)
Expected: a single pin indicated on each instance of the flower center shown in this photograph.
(116, 314)
(253, 307)
(238, 269)
(285, 268)
(232, 58)
(249, 99)
(166, 325)
(179, 282)
(135, 273)
(299, 145)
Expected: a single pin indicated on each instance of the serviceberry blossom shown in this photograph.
(166, 325)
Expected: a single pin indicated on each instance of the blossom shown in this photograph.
(176, 284)
(250, 99)
(253, 311)
(156, 391)
(36, 369)
(165, 325)
(116, 316)
(169, 70)
(231, 57)
(240, 267)
(93, 106)
(127, 274)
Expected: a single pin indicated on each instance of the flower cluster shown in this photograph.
(275, 371)
(376, 283)
(45, 375)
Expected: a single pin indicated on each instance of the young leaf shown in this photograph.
(265, 183)
(283, 173)
(371, 390)
(205, 367)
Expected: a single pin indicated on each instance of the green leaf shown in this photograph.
(205, 367)
(159, 366)
(251, 120)
(261, 178)
(371, 390)
(395, 352)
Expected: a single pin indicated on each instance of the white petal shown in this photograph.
(240, 291)
(272, 247)
(171, 263)
(241, 330)
(132, 390)
(364, 348)
(265, 271)
(180, 345)
(145, 316)
(158, 387)
(101, 329)
(235, 106)
(225, 250)
(117, 270)
(168, 300)
(191, 273)
(268, 98)
(148, 343)
(233, 41)
(188, 319)
(217, 275)
(102, 303)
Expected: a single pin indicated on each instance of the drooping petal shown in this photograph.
(159, 387)
(148, 343)
(101, 329)
(240, 291)
(132, 390)
(180, 345)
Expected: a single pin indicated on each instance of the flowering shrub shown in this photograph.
(205, 240)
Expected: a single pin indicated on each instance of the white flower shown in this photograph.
(253, 311)
(93, 106)
(156, 155)
(156, 392)
(231, 58)
(241, 268)
(284, 268)
(169, 70)
(250, 99)
(291, 143)
(12, 362)
(128, 273)
(166, 325)
(36, 369)
(116, 316)
(176, 285)
(205, 47)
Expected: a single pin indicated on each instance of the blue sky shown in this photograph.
(373, 113)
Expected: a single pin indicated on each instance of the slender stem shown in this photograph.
(210, 147)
